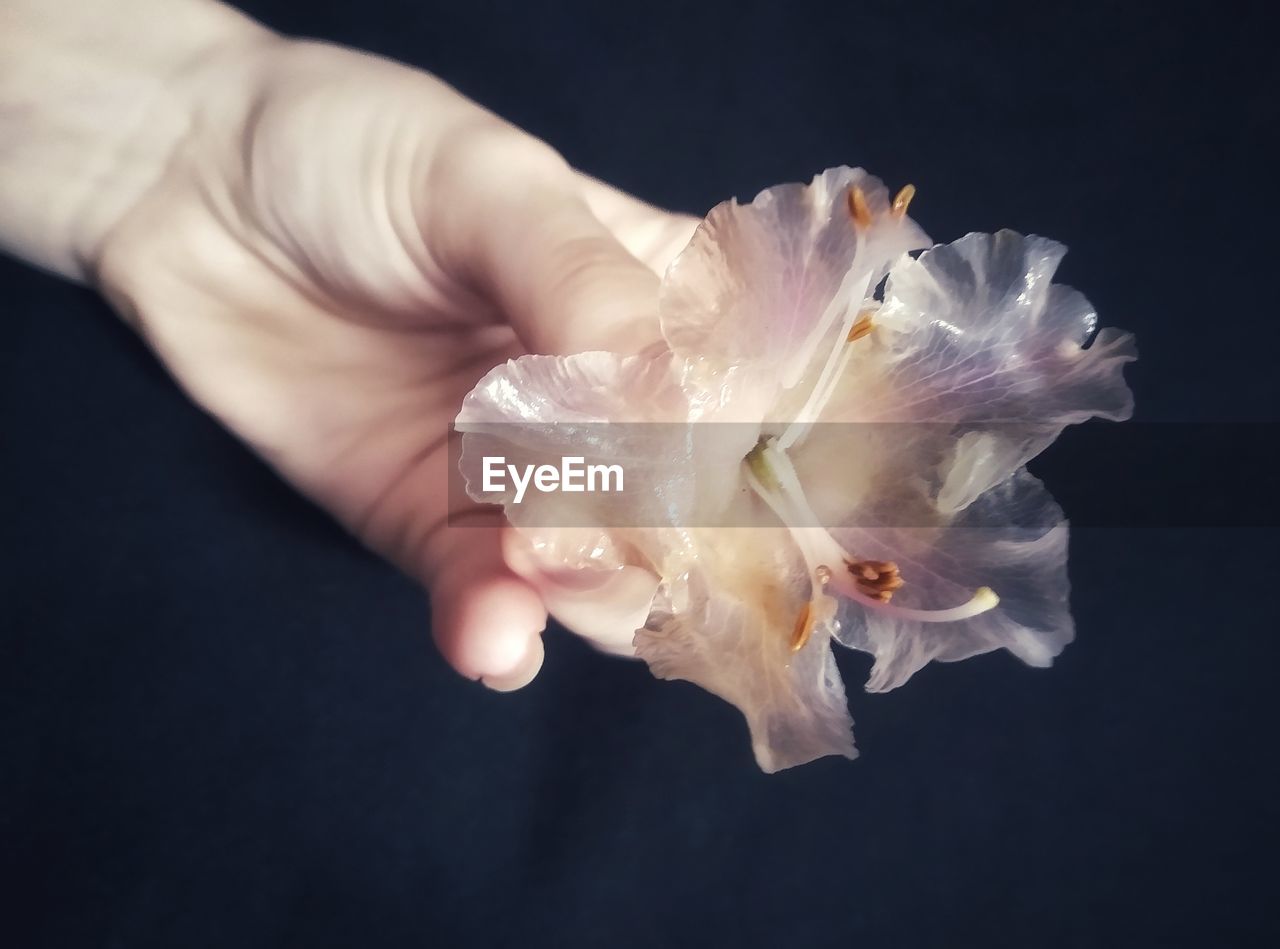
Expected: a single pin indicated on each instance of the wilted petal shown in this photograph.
(767, 284)
(1013, 539)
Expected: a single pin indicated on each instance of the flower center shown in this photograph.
(871, 583)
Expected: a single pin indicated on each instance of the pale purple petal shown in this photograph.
(765, 285)
(1023, 559)
(975, 331)
(975, 347)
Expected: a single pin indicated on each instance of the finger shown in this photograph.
(604, 606)
(563, 279)
(486, 620)
(649, 233)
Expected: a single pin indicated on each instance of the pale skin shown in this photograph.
(327, 250)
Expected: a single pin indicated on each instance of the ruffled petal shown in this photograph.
(629, 415)
(767, 284)
(587, 388)
(975, 331)
(975, 346)
(1013, 539)
(725, 623)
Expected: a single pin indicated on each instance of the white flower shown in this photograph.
(827, 464)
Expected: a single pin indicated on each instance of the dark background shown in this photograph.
(223, 724)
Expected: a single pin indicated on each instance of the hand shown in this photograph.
(332, 250)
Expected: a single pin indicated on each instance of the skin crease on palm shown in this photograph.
(327, 250)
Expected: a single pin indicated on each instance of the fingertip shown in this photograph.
(522, 674)
(489, 628)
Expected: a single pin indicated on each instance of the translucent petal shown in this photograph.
(767, 284)
(942, 565)
(728, 601)
(975, 331)
(585, 388)
(726, 622)
(974, 339)
(607, 410)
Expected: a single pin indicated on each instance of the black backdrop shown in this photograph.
(223, 723)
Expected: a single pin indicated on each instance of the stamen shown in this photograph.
(858, 207)
(822, 391)
(983, 599)
(863, 325)
(876, 578)
(902, 200)
(870, 582)
(803, 628)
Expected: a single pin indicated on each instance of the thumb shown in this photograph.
(487, 621)
(563, 280)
